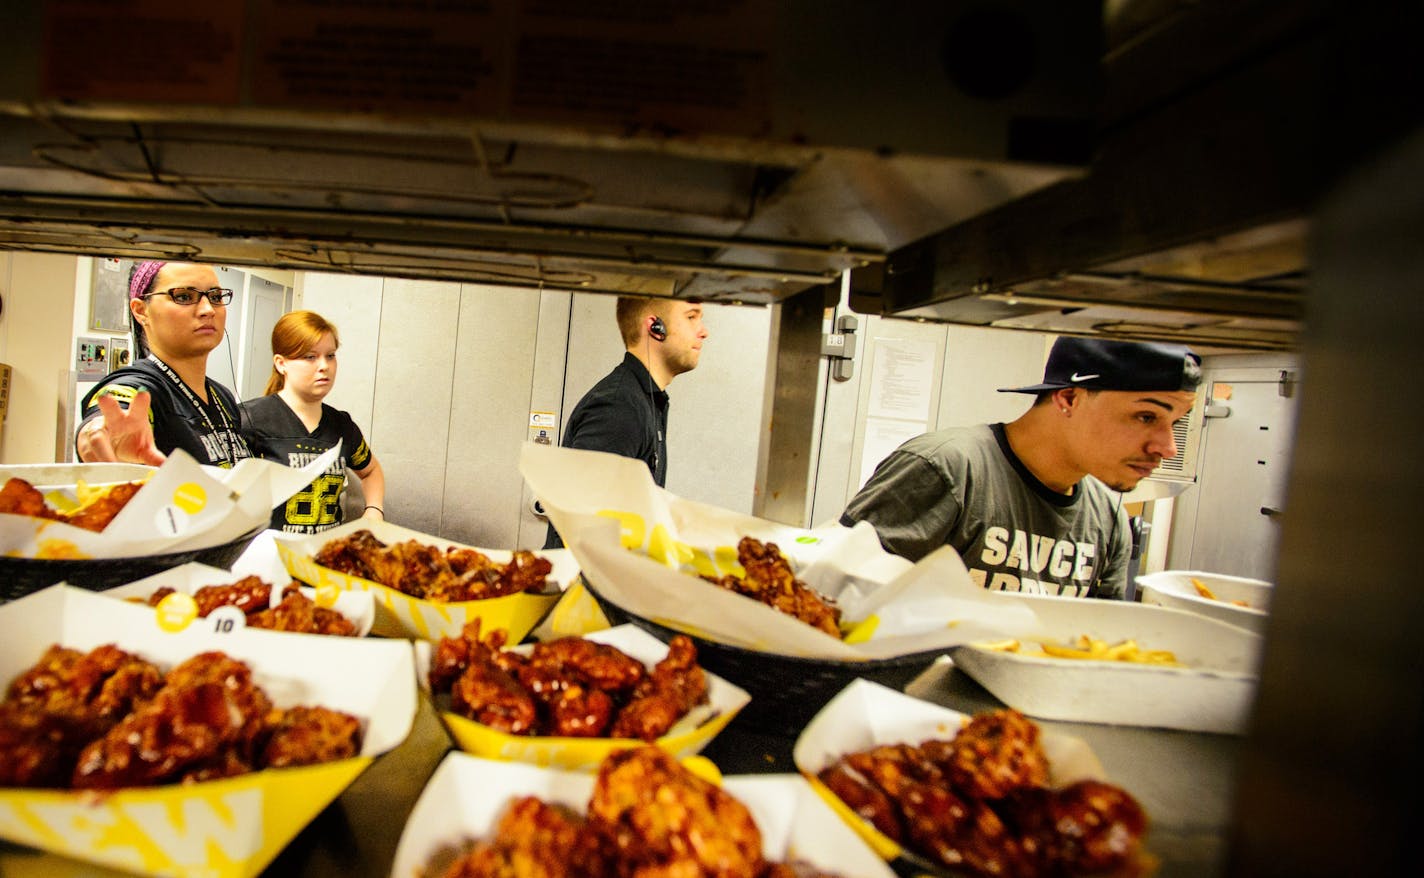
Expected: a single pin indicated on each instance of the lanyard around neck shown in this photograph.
(226, 433)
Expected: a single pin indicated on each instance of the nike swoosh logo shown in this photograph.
(1077, 377)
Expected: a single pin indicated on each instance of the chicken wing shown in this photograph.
(107, 719)
(1086, 828)
(207, 705)
(489, 695)
(534, 840)
(97, 513)
(768, 578)
(601, 665)
(309, 735)
(980, 802)
(299, 613)
(676, 685)
(428, 573)
(248, 594)
(19, 497)
(995, 753)
(454, 654)
(662, 820)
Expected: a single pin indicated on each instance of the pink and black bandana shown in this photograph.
(143, 277)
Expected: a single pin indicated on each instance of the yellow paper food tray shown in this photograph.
(1212, 691)
(865, 715)
(467, 795)
(1174, 588)
(686, 738)
(400, 615)
(359, 607)
(229, 828)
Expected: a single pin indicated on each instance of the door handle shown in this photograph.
(1270, 511)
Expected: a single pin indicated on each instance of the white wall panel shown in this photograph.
(489, 415)
(414, 370)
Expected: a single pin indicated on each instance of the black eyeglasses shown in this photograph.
(190, 295)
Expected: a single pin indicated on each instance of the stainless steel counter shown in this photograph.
(1184, 780)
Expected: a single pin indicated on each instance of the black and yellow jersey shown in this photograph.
(275, 433)
(211, 432)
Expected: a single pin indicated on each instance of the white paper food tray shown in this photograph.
(644, 551)
(62, 476)
(182, 505)
(1173, 588)
(1212, 691)
(401, 615)
(357, 606)
(467, 795)
(227, 828)
(865, 715)
(686, 738)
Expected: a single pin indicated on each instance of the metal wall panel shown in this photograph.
(977, 362)
(715, 422)
(714, 419)
(489, 415)
(413, 395)
(353, 305)
(546, 395)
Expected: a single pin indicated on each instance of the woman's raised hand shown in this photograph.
(119, 435)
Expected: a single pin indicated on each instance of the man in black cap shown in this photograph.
(1027, 504)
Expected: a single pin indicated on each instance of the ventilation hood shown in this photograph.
(724, 150)
(981, 163)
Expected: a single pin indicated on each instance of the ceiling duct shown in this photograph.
(722, 150)
(1025, 165)
(1222, 124)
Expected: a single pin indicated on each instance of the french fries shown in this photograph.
(1091, 649)
(1211, 595)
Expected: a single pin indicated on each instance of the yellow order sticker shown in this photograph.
(176, 612)
(190, 497)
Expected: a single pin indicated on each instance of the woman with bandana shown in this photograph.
(165, 400)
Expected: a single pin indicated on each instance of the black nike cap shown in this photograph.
(1106, 364)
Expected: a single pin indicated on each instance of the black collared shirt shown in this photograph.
(626, 413)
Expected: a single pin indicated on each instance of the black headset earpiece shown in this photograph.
(657, 329)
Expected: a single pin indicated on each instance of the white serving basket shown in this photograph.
(1211, 691)
(1174, 588)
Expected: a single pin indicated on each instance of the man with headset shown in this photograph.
(627, 412)
(1027, 504)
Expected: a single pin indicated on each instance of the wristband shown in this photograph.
(378, 509)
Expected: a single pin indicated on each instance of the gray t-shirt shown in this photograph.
(965, 487)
